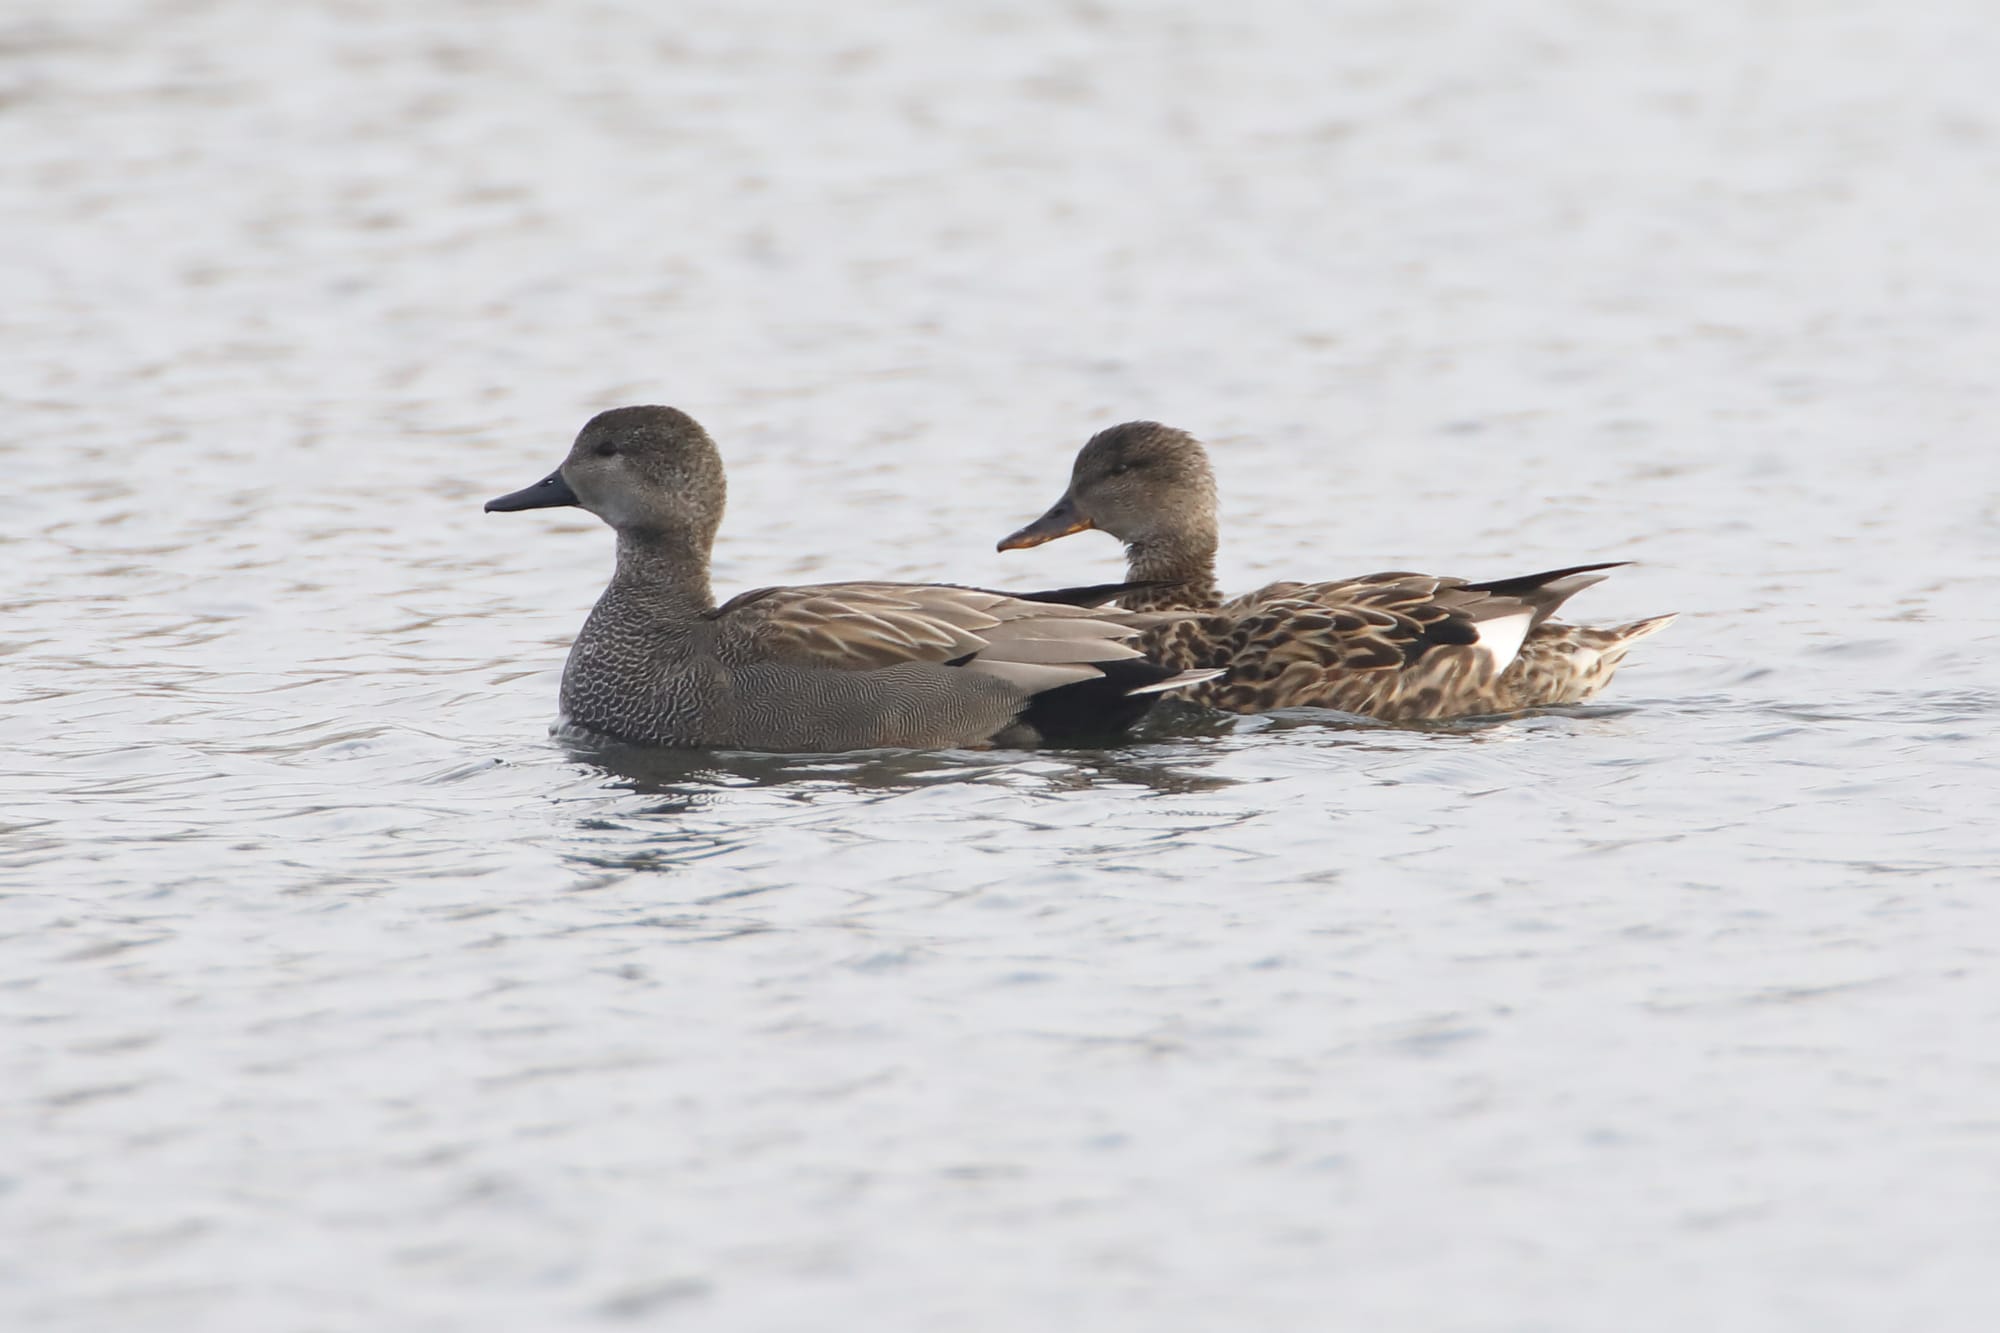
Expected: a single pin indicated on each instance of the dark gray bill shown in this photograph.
(548, 493)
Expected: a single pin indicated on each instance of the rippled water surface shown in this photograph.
(336, 995)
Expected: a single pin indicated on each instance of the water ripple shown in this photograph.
(333, 982)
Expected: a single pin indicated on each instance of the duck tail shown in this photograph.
(1639, 629)
(1547, 591)
(1098, 711)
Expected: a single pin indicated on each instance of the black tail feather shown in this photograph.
(1526, 585)
(1096, 710)
(1095, 594)
(1547, 591)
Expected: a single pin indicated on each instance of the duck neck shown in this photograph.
(1183, 564)
(666, 571)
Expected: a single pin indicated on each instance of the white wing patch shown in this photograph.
(1500, 638)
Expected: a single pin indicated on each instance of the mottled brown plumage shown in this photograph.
(1395, 646)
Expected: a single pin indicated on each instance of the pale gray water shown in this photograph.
(336, 996)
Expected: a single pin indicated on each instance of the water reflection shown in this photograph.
(702, 775)
(1173, 753)
(696, 779)
(750, 821)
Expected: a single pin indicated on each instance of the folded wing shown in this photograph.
(1035, 645)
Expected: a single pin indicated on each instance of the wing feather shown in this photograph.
(866, 626)
(1394, 644)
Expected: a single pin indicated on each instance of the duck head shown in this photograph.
(1146, 484)
(644, 470)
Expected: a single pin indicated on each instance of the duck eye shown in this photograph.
(605, 450)
(1120, 469)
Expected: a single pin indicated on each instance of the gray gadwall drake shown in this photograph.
(834, 666)
(1396, 646)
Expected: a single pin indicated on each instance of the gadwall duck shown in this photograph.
(1396, 646)
(829, 667)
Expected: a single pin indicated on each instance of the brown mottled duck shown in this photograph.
(1396, 646)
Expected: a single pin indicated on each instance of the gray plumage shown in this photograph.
(827, 667)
